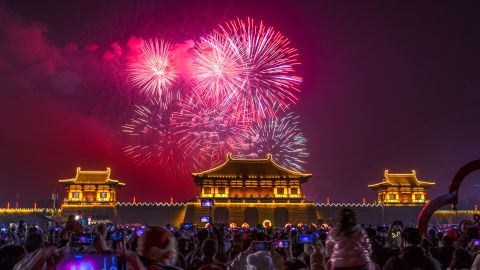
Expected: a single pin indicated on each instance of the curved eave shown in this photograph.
(289, 173)
(387, 184)
(200, 174)
(299, 174)
(422, 183)
(66, 181)
(109, 182)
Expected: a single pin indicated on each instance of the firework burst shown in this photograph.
(280, 137)
(152, 139)
(152, 69)
(207, 133)
(249, 65)
(217, 70)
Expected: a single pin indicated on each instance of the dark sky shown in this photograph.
(387, 85)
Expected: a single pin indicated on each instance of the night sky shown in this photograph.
(387, 85)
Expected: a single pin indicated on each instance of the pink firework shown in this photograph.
(153, 68)
(207, 133)
(217, 70)
(247, 65)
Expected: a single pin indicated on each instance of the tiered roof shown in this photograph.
(234, 168)
(92, 178)
(401, 180)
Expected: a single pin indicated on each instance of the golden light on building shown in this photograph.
(251, 180)
(401, 188)
(91, 188)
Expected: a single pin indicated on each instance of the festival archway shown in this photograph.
(449, 198)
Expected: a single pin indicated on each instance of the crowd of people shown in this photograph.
(345, 245)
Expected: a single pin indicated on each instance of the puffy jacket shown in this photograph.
(348, 251)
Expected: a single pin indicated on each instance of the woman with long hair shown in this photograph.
(348, 245)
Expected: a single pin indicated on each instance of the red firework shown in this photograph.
(247, 65)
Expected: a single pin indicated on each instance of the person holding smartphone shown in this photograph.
(394, 235)
(317, 254)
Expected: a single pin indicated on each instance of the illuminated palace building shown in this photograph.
(91, 187)
(239, 191)
(252, 190)
(242, 191)
(91, 191)
(251, 181)
(401, 189)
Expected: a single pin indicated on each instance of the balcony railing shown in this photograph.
(285, 196)
(87, 201)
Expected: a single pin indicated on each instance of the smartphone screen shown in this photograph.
(89, 261)
(139, 232)
(476, 242)
(305, 238)
(187, 226)
(115, 236)
(205, 219)
(261, 245)
(84, 239)
(282, 243)
(207, 203)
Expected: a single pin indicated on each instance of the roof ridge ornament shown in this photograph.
(229, 156)
(269, 157)
(385, 173)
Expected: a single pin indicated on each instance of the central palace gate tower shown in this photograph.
(251, 191)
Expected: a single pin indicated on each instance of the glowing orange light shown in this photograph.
(267, 223)
(233, 225)
(245, 226)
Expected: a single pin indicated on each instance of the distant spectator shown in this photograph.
(209, 251)
(461, 260)
(71, 226)
(34, 240)
(412, 256)
(444, 253)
